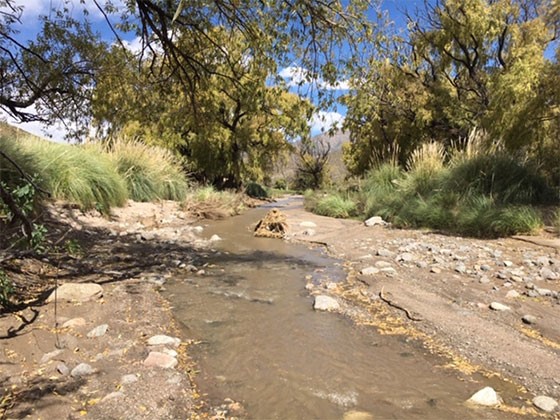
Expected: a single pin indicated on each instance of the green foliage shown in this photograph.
(334, 205)
(151, 172)
(209, 202)
(256, 190)
(77, 174)
(501, 177)
(73, 248)
(6, 288)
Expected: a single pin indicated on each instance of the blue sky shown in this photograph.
(321, 121)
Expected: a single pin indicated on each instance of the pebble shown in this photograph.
(435, 270)
(547, 274)
(83, 369)
(375, 220)
(383, 264)
(163, 340)
(198, 229)
(325, 303)
(129, 379)
(484, 280)
(486, 396)
(383, 252)
(542, 261)
(496, 306)
(161, 360)
(485, 267)
(51, 355)
(74, 322)
(543, 292)
(545, 403)
(98, 331)
(529, 319)
(215, 238)
(512, 294)
(460, 268)
(369, 271)
(63, 369)
(357, 415)
(113, 395)
(508, 263)
(405, 257)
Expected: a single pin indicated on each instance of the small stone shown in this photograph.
(517, 279)
(383, 252)
(161, 360)
(63, 369)
(74, 322)
(405, 257)
(460, 268)
(76, 292)
(508, 263)
(98, 331)
(512, 294)
(547, 274)
(83, 369)
(369, 271)
(198, 229)
(375, 220)
(502, 275)
(421, 264)
(170, 352)
(545, 403)
(486, 396)
(47, 357)
(325, 303)
(484, 280)
(163, 340)
(388, 270)
(129, 379)
(543, 292)
(543, 261)
(496, 306)
(357, 415)
(435, 270)
(529, 319)
(382, 264)
(485, 267)
(215, 238)
(309, 232)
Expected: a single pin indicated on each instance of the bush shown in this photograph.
(151, 173)
(256, 190)
(76, 174)
(334, 205)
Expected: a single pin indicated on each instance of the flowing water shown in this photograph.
(262, 343)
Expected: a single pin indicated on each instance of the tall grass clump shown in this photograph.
(424, 170)
(150, 172)
(9, 174)
(380, 194)
(334, 205)
(207, 202)
(75, 174)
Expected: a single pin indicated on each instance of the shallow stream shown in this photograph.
(263, 345)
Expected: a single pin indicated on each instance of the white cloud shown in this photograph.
(134, 45)
(298, 76)
(322, 121)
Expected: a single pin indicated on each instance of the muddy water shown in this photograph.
(263, 345)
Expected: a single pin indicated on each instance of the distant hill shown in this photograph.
(336, 140)
(8, 130)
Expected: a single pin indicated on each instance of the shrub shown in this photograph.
(256, 190)
(151, 172)
(76, 174)
(334, 205)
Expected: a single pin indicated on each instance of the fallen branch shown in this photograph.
(394, 305)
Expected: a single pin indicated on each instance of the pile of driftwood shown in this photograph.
(272, 226)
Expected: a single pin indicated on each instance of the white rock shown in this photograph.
(113, 395)
(215, 238)
(375, 220)
(98, 331)
(74, 322)
(161, 360)
(129, 379)
(51, 355)
(499, 307)
(325, 303)
(545, 403)
(198, 229)
(77, 292)
(163, 340)
(369, 271)
(83, 369)
(486, 396)
(382, 264)
(512, 294)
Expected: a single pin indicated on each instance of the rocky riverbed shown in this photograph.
(487, 306)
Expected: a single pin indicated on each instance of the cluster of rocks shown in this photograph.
(481, 263)
(488, 397)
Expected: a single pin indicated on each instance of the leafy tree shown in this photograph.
(462, 64)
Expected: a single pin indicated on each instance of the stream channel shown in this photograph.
(262, 344)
